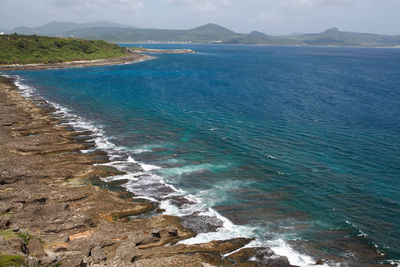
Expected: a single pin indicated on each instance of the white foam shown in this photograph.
(227, 231)
(280, 247)
(147, 197)
(145, 167)
(141, 150)
(128, 176)
(187, 169)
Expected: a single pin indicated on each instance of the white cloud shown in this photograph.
(202, 5)
(309, 4)
(122, 5)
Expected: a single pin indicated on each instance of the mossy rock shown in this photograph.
(27, 237)
(11, 260)
(7, 235)
(77, 182)
(114, 186)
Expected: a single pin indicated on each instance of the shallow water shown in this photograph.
(278, 143)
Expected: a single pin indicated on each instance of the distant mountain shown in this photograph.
(210, 33)
(335, 37)
(59, 27)
(330, 37)
(204, 34)
(254, 37)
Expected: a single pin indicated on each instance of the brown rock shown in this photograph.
(14, 227)
(35, 248)
(97, 254)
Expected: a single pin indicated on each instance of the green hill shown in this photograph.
(26, 49)
(335, 37)
(204, 34)
(56, 28)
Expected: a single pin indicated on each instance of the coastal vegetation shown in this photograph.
(11, 260)
(28, 49)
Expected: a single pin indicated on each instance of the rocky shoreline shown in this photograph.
(56, 211)
(131, 58)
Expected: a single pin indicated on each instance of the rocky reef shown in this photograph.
(56, 211)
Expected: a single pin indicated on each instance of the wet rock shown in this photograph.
(279, 262)
(319, 262)
(158, 210)
(104, 171)
(201, 224)
(97, 254)
(263, 256)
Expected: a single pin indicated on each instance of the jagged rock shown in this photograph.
(83, 246)
(280, 261)
(126, 252)
(260, 256)
(49, 260)
(97, 254)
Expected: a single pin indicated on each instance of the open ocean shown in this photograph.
(298, 147)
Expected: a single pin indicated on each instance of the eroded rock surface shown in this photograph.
(52, 214)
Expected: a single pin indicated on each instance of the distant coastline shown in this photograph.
(283, 45)
(208, 34)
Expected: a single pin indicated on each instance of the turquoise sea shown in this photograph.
(298, 147)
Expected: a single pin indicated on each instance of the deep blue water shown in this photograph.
(297, 143)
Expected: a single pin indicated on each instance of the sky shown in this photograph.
(275, 17)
